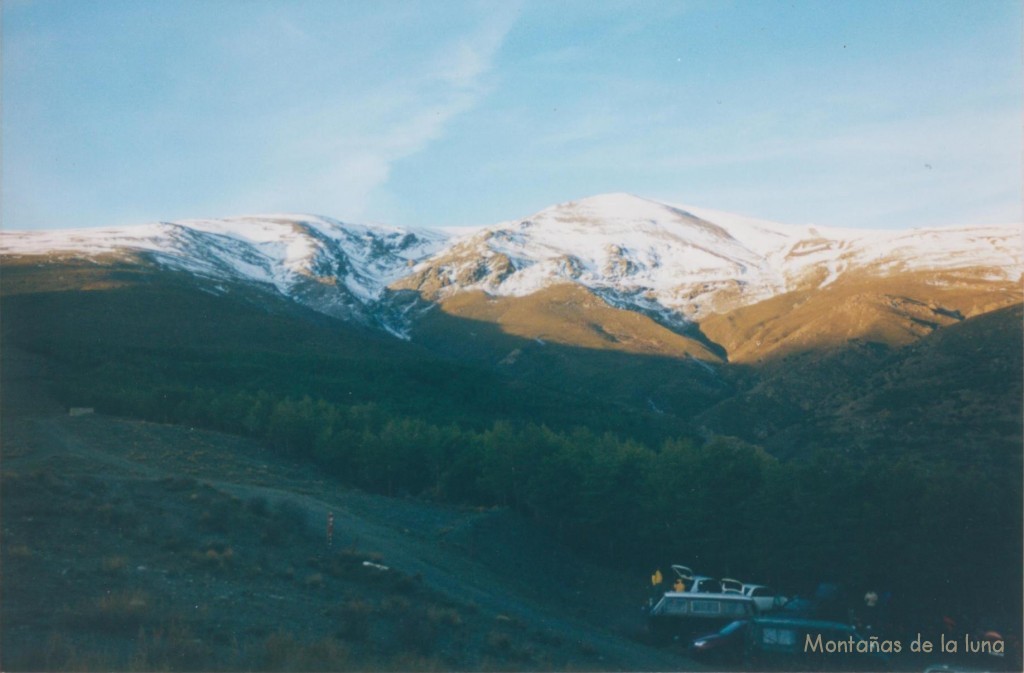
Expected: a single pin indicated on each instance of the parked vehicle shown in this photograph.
(731, 586)
(683, 573)
(765, 597)
(783, 643)
(681, 615)
(723, 647)
(799, 607)
(705, 585)
(684, 578)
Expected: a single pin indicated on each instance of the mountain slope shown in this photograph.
(895, 309)
(336, 268)
(614, 298)
(679, 266)
(954, 393)
(571, 315)
(683, 264)
(120, 327)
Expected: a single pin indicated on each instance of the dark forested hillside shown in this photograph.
(123, 335)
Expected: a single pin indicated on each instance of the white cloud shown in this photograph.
(340, 150)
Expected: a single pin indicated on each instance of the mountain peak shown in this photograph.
(611, 206)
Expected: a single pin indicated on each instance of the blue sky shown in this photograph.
(846, 113)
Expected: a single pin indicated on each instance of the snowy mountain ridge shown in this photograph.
(337, 268)
(688, 262)
(678, 263)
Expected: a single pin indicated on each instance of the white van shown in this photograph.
(765, 597)
(681, 614)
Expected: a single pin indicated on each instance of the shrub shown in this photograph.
(278, 651)
(285, 521)
(221, 516)
(114, 564)
(179, 483)
(126, 602)
(447, 617)
(354, 620)
(124, 610)
(258, 506)
(281, 651)
(172, 646)
(57, 652)
(216, 555)
(417, 634)
(498, 641)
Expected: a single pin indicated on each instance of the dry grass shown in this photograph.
(573, 316)
(116, 612)
(114, 564)
(124, 604)
(283, 652)
(171, 647)
(215, 556)
(353, 620)
(445, 617)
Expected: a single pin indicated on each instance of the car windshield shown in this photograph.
(683, 572)
(733, 628)
(709, 586)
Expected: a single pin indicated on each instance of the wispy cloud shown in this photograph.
(176, 109)
(342, 148)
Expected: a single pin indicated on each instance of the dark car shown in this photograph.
(791, 644)
(799, 608)
(722, 647)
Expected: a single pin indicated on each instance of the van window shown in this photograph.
(679, 606)
(674, 607)
(706, 607)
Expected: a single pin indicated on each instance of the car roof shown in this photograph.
(702, 595)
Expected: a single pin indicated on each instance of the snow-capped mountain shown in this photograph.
(682, 262)
(337, 268)
(676, 263)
